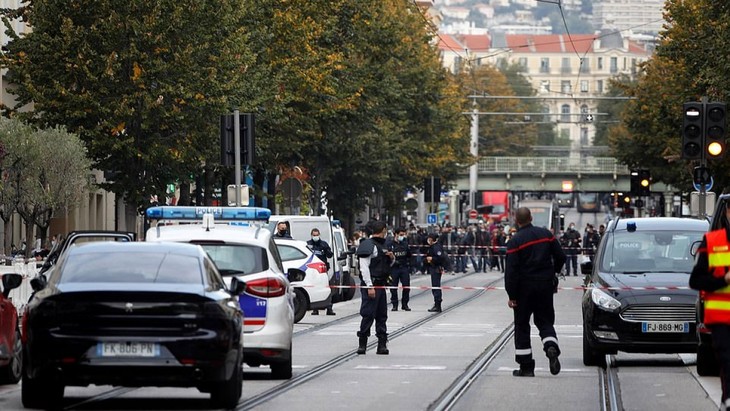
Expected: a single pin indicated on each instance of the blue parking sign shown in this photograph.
(431, 219)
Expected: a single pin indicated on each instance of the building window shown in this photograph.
(544, 86)
(584, 136)
(583, 113)
(522, 62)
(600, 63)
(546, 118)
(614, 65)
(565, 113)
(599, 86)
(544, 65)
(584, 86)
(565, 66)
(585, 65)
(565, 86)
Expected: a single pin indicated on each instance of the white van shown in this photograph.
(300, 228)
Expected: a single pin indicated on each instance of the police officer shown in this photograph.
(436, 263)
(534, 256)
(375, 263)
(281, 230)
(401, 269)
(571, 242)
(323, 251)
(711, 274)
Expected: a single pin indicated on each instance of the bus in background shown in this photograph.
(545, 213)
(496, 205)
(566, 200)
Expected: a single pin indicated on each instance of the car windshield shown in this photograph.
(131, 267)
(237, 259)
(649, 251)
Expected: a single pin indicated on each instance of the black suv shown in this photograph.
(637, 297)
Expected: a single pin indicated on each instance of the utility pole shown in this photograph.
(474, 150)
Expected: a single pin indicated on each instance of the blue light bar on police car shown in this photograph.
(196, 213)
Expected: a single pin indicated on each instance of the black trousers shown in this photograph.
(435, 273)
(535, 300)
(373, 310)
(721, 345)
(400, 274)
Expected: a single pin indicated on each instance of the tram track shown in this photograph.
(609, 388)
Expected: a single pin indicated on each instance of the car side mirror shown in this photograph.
(694, 248)
(586, 267)
(39, 282)
(237, 286)
(295, 274)
(10, 282)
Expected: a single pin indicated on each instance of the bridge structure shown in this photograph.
(551, 174)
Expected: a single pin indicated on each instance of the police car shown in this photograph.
(313, 292)
(239, 247)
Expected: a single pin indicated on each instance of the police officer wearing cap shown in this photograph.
(400, 271)
(534, 256)
(436, 263)
(375, 263)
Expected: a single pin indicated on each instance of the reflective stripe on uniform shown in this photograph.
(549, 339)
(717, 305)
(523, 351)
(718, 259)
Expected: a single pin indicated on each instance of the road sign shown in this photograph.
(473, 214)
(431, 218)
(708, 186)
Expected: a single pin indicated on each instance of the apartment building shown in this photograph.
(638, 16)
(568, 72)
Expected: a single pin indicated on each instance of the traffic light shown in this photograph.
(246, 126)
(692, 133)
(432, 190)
(715, 130)
(634, 179)
(625, 201)
(644, 183)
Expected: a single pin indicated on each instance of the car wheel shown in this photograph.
(707, 365)
(282, 370)
(301, 303)
(227, 394)
(349, 292)
(592, 357)
(11, 373)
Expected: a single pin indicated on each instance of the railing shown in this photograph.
(555, 165)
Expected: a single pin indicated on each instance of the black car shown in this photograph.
(133, 314)
(637, 296)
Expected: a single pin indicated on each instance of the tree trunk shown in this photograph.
(184, 194)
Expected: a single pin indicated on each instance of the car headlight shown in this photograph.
(604, 301)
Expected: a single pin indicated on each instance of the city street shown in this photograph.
(459, 359)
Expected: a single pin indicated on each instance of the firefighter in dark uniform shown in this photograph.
(711, 275)
(400, 271)
(436, 263)
(375, 263)
(534, 256)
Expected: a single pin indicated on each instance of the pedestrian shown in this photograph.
(590, 242)
(534, 256)
(323, 251)
(447, 238)
(471, 242)
(282, 230)
(400, 272)
(482, 245)
(710, 275)
(571, 243)
(375, 263)
(436, 263)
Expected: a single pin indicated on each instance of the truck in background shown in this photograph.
(496, 205)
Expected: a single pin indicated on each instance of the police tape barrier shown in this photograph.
(491, 288)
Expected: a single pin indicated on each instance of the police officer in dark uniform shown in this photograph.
(324, 252)
(401, 269)
(282, 231)
(534, 256)
(375, 263)
(436, 263)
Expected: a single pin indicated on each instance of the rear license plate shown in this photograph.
(664, 327)
(128, 349)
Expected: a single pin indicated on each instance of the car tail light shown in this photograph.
(320, 266)
(266, 287)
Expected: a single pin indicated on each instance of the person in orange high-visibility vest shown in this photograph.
(710, 274)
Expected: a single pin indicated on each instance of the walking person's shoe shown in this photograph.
(362, 345)
(436, 308)
(382, 347)
(406, 307)
(330, 311)
(315, 312)
(526, 370)
(395, 307)
(552, 354)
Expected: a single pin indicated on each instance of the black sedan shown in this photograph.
(637, 297)
(133, 314)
